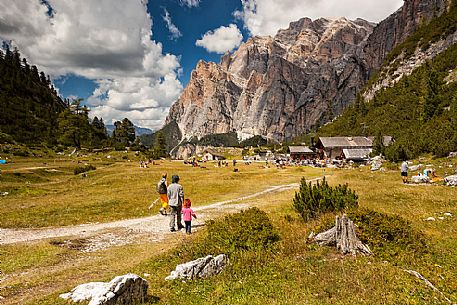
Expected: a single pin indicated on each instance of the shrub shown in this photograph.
(388, 235)
(119, 146)
(6, 138)
(313, 200)
(244, 231)
(82, 169)
(20, 152)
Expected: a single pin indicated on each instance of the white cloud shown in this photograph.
(175, 33)
(190, 3)
(221, 40)
(106, 40)
(266, 17)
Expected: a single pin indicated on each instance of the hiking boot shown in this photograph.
(172, 230)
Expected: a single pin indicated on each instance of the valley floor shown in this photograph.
(41, 258)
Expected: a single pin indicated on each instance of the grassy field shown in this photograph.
(292, 272)
(46, 192)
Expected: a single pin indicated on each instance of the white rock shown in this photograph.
(441, 218)
(431, 219)
(451, 180)
(414, 168)
(203, 267)
(447, 214)
(125, 289)
(420, 179)
(376, 166)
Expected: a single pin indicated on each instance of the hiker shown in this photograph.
(188, 213)
(404, 171)
(175, 200)
(162, 190)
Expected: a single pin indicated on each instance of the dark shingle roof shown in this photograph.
(300, 150)
(346, 141)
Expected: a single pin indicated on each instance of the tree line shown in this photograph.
(33, 113)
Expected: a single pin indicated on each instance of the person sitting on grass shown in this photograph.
(188, 213)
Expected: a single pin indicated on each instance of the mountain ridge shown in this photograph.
(283, 86)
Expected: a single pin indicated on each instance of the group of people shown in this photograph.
(173, 202)
(428, 172)
(145, 164)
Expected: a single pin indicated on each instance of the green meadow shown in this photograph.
(45, 192)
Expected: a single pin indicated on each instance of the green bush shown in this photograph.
(119, 146)
(6, 138)
(244, 231)
(21, 152)
(387, 235)
(82, 169)
(313, 200)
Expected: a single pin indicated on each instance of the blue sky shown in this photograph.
(192, 22)
(133, 58)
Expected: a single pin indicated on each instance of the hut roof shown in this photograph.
(300, 150)
(357, 153)
(386, 140)
(346, 141)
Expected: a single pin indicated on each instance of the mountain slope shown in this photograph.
(29, 104)
(277, 87)
(414, 96)
(282, 86)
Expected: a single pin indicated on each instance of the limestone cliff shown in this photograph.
(281, 86)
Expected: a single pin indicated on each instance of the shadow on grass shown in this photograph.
(151, 299)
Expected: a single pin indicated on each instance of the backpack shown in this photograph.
(161, 187)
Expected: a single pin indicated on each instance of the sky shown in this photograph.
(133, 58)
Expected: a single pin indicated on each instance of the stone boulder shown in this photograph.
(420, 179)
(453, 154)
(203, 267)
(376, 166)
(126, 289)
(414, 168)
(451, 180)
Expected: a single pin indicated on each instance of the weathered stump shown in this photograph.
(343, 236)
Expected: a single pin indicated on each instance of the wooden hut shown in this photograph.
(301, 153)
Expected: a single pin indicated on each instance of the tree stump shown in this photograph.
(343, 236)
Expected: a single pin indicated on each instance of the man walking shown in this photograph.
(404, 171)
(175, 194)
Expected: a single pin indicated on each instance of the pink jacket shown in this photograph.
(188, 214)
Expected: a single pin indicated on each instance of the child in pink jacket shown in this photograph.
(188, 213)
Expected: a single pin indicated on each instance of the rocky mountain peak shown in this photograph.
(281, 86)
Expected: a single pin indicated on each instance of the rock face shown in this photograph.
(401, 66)
(276, 86)
(451, 180)
(203, 267)
(127, 289)
(397, 27)
(281, 86)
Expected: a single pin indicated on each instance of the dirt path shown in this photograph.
(103, 235)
